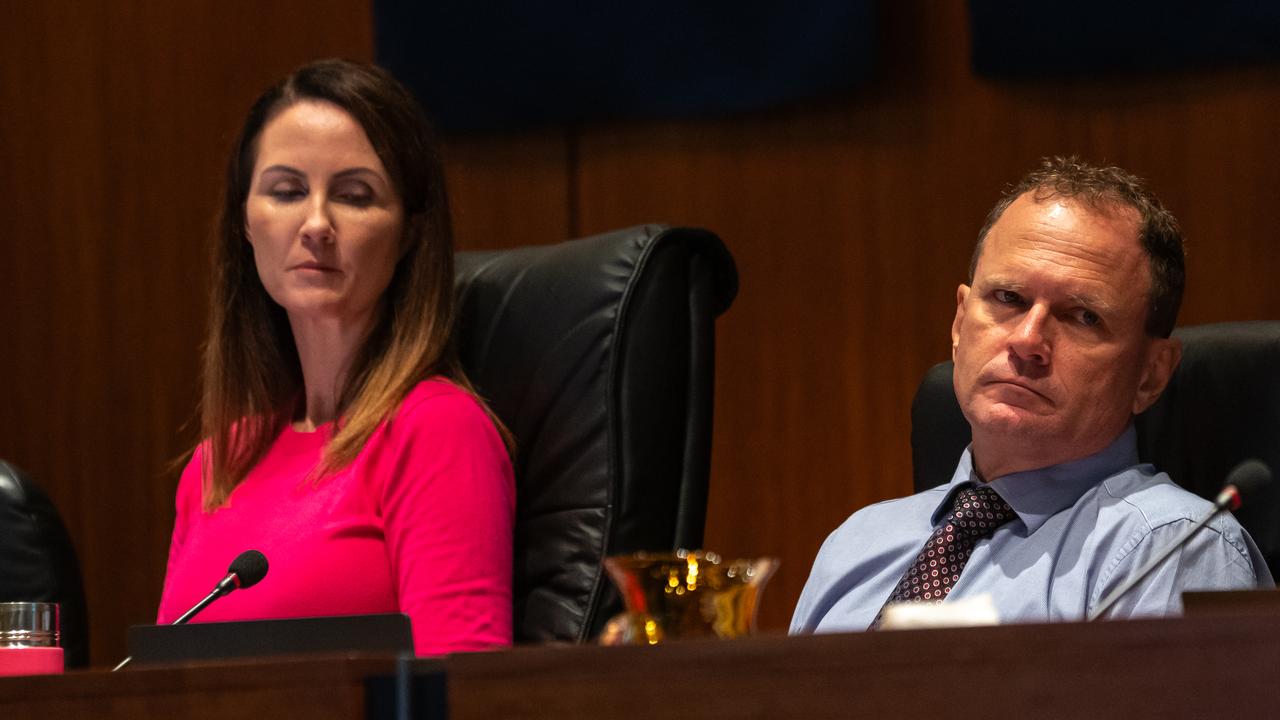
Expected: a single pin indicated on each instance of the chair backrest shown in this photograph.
(1222, 406)
(598, 354)
(37, 560)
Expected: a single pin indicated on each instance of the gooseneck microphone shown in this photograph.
(1242, 480)
(245, 571)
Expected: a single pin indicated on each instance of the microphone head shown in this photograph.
(249, 566)
(1249, 476)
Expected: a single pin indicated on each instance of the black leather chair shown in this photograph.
(37, 560)
(1222, 406)
(598, 354)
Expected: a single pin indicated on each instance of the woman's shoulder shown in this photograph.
(442, 406)
(438, 395)
(439, 425)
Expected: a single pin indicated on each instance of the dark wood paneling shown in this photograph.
(852, 222)
(1142, 668)
(1098, 670)
(851, 219)
(316, 688)
(114, 122)
(509, 191)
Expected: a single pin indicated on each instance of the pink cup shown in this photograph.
(30, 660)
(29, 636)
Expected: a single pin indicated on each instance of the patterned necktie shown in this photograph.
(975, 514)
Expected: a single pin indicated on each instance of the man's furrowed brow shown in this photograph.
(1092, 302)
(1002, 282)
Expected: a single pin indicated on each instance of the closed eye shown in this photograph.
(355, 198)
(287, 191)
(354, 193)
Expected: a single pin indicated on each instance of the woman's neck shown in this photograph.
(326, 349)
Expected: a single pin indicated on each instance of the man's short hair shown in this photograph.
(1102, 189)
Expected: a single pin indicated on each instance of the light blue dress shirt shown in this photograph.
(1083, 528)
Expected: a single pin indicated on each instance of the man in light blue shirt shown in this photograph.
(1060, 338)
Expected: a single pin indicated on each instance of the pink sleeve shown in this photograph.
(187, 502)
(448, 506)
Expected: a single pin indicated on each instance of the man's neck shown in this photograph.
(993, 460)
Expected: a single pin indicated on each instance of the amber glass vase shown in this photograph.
(686, 594)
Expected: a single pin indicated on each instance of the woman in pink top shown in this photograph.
(342, 438)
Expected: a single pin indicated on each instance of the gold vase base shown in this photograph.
(686, 594)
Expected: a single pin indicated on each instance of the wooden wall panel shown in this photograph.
(509, 191)
(852, 222)
(114, 124)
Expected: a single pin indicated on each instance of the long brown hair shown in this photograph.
(252, 374)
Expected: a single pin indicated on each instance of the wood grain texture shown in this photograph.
(852, 222)
(115, 124)
(1101, 670)
(851, 218)
(509, 191)
(304, 687)
(1145, 668)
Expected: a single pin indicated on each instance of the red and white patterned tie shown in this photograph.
(975, 514)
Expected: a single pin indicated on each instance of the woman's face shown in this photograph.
(322, 215)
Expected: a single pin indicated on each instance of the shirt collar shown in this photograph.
(1037, 495)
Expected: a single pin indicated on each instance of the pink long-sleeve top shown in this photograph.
(420, 523)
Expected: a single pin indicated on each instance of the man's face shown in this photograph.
(1051, 357)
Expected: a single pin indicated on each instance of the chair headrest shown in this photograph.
(598, 356)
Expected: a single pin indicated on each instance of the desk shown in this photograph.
(1201, 667)
(1198, 667)
(322, 688)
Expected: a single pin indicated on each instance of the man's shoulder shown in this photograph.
(1150, 495)
(1150, 502)
(1144, 511)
